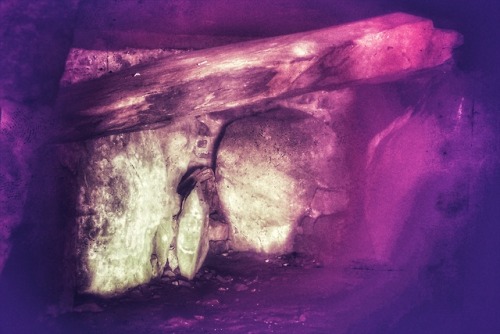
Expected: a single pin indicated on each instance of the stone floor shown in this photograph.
(238, 293)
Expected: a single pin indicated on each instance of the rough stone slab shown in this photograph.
(192, 236)
(125, 207)
(268, 169)
(248, 73)
(422, 196)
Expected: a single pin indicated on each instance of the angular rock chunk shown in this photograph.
(193, 222)
(268, 169)
(218, 231)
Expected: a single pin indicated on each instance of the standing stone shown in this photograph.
(193, 229)
(177, 146)
(126, 201)
(192, 237)
(268, 169)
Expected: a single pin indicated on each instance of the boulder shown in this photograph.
(192, 237)
(125, 203)
(268, 170)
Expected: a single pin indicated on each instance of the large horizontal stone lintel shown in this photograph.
(244, 74)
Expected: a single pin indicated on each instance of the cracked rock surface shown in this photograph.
(268, 169)
(126, 200)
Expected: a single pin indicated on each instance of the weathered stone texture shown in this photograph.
(192, 237)
(247, 74)
(127, 198)
(268, 170)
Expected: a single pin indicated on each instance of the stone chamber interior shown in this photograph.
(357, 193)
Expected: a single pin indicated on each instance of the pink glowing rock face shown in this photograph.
(397, 175)
(248, 74)
(421, 174)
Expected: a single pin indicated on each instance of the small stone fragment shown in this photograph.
(226, 279)
(210, 302)
(185, 284)
(240, 287)
(219, 247)
(180, 322)
(169, 273)
(172, 261)
(218, 231)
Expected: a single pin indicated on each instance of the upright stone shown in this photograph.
(126, 201)
(268, 170)
(193, 221)
(192, 237)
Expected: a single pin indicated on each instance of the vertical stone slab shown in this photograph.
(422, 175)
(268, 170)
(177, 145)
(192, 236)
(194, 221)
(119, 209)
(126, 200)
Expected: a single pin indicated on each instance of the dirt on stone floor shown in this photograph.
(232, 293)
